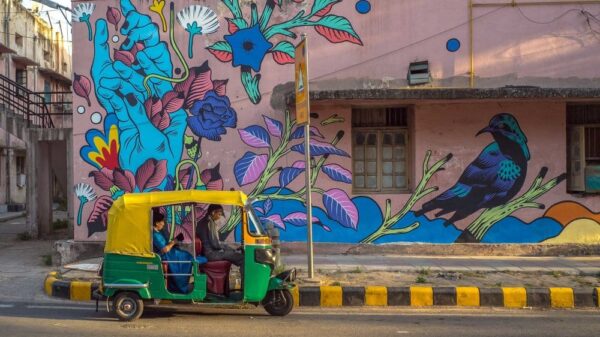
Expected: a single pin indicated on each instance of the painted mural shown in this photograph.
(157, 94)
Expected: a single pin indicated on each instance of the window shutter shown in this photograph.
(576, 158)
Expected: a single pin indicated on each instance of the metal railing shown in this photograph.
(39, 109)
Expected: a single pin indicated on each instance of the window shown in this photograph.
(379, 149)
(583, 148)
(21, 77)
(20, 164)
(47, 91)
(19, 40)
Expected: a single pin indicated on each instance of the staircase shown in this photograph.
(43, 120)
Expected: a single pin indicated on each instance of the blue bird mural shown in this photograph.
(492, 179)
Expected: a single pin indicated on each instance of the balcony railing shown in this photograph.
(39, 109)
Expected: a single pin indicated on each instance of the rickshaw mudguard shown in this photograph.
(142, 289)
(278, 284)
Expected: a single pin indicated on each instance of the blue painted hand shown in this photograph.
(120, 90)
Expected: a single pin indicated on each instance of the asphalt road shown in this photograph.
(72, 319)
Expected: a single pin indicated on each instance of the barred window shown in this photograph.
(379, 149)
(583, 148)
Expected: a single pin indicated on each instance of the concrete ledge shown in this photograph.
(414, 296)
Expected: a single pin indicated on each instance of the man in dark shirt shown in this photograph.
(212, 248)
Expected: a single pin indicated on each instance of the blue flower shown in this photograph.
(211, 115)
(249, 47)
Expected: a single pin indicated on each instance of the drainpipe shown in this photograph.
(8, 60)
(512, 3)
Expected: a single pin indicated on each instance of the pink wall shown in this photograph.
(508, 50)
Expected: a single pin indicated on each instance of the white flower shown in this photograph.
(83, 11)
(83, 190)
(199, 17)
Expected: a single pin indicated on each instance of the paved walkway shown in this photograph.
(569, 265)
(589, 266)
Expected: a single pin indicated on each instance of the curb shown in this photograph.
(12, 216)
(379, 296)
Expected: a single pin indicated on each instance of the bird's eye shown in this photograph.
(502, 126)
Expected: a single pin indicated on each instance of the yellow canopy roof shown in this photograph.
(129, 228)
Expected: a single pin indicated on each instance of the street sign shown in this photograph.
(302, 97)
(303, 118)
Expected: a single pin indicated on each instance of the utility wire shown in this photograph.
(411, 44)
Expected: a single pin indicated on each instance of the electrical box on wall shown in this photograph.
(418, 73)
(21, 180)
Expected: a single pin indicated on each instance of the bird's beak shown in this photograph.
(484, 130)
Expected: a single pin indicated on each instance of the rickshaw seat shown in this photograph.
(217, 272)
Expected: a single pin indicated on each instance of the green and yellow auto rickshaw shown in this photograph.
(134, 275)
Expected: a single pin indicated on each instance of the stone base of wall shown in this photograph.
(68, 251)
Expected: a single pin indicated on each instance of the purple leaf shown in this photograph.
(151, 173)
(249, 168)
(99, 217)
(276, 219)
(103, 178)
(319, 148)
(259, 210)
(337, 173)
(340, 208)
(212, 178)
(288, 174)
(299, 133)
(124, 180)
(82, 86)
(113, 16)
(255, 136)
(298, 219)
(275, 127)
(268, 205)
(301, 164)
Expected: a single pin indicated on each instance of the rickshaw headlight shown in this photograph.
(265, 256)
(288, 275)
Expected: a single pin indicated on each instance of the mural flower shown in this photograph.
(82, 86)
(118, 181)
(197, 20)
(249, 47)
(82, 13)
(250, 40)
(211, 115)
(85, 194)
(102, 149)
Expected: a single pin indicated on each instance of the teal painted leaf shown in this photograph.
(284, 53)
(319, 5)
(251, 86)
(337, 29)
(235, 24)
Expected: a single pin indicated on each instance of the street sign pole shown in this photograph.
(303, 117)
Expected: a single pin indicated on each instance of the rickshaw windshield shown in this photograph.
(257, 228)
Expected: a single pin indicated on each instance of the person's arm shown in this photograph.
(160, 243)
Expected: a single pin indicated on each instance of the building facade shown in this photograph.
(35, 67)
(437, 122)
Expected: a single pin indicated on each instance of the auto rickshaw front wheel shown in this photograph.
(278, 302)
(128, 306)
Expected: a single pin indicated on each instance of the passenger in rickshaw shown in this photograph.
(170, 252)
(214, 250)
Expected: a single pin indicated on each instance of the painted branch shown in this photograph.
(480, 226)
(420, 192)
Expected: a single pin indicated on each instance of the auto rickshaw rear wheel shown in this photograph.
(278, 302)
(128, 306)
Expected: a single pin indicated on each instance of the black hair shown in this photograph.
(157, 217)
(214, 207)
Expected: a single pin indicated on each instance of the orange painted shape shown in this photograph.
(567, 211)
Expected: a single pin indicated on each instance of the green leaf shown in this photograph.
(337, 29)
(240, 23)
(251, 86)
(234, 7)
(192, 146)
(285, 47)
(321, 4)
(266, 15)
(221, 46)
(253, 15)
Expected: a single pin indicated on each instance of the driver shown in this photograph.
(214, 250)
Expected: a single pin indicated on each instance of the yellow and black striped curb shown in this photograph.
(415, 296)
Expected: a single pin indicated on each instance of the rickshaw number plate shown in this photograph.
(151, 267)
